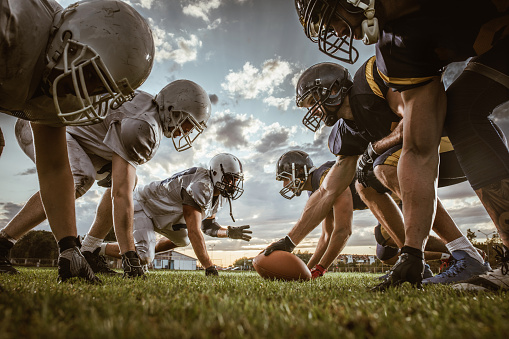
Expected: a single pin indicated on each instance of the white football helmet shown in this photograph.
(97, 47)
(227, 176)
(295, 167)
(184, 108)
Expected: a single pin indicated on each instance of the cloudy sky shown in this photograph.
(247, 54)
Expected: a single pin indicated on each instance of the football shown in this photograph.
(281, 265)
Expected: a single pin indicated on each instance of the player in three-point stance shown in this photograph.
(110, 152)
(181, 207)
(63, 67)
(365, 117)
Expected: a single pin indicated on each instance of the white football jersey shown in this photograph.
(162, 200)
(24, 34)
(132, 131)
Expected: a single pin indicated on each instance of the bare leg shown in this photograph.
(385, 210)
(164, 244)
(495, 199)
(30, 215)
(423, 119)
(103, 220)
(55, 179)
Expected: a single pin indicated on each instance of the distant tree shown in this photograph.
(244, 262)
(304, 256)
(471, 235)
(36, 244)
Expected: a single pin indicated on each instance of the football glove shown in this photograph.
(132, 265)
(365, 165)
(211, 271)
(240, 232)
(317, 271)
(283, 244)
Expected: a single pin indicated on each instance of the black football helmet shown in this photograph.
(316, 17)
(294, 166)
(322, 88)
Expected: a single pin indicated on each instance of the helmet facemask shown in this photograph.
(79, 64)
(323, 104)
(296, 181)
(317, 21)
(231, 184)
(182, 128)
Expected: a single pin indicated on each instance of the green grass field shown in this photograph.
(175, 304)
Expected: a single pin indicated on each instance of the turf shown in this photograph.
(173, 304)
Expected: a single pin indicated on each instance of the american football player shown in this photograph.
(365, 116)
(298, 174)
(63, 67)
(180, 208)
(415, 40)
(110, 152)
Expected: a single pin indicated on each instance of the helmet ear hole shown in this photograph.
(170, 108)
(66, 35)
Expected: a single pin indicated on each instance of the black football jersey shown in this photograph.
(414, 48)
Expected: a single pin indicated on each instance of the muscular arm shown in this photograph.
(321, 202)
(123, 180)
(393, 139)
(192, 217)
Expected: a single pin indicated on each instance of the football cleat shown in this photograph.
(5, 264)
(495, 280)
(98, 262)
(408, 268)
(427, 272)
(131, 264)
(463, 268)
(318, 271)
(72, 264)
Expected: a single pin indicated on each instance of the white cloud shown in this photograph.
(186, 49)
(201, 9)
(282, 104)
(250, 82)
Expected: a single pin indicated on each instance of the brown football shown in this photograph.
(281, 265)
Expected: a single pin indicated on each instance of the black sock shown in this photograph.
(66, 243)
(413, 251)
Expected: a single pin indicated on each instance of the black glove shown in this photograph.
(131, 264)
(365, 165)
(239, 232)
(211, 271)
(105, 182)
(283, 244)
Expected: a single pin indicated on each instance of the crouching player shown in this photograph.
(110, 152)
(179, 208)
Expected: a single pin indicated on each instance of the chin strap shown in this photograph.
(370, 28)
(231, 211)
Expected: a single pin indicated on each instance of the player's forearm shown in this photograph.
(319, 251)
(393, 139)
(321, 202)
(199, 248)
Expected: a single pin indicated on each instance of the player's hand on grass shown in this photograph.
(283, 244)
(211, 271)
(365, 165)
(317, 271)
(239, 232)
